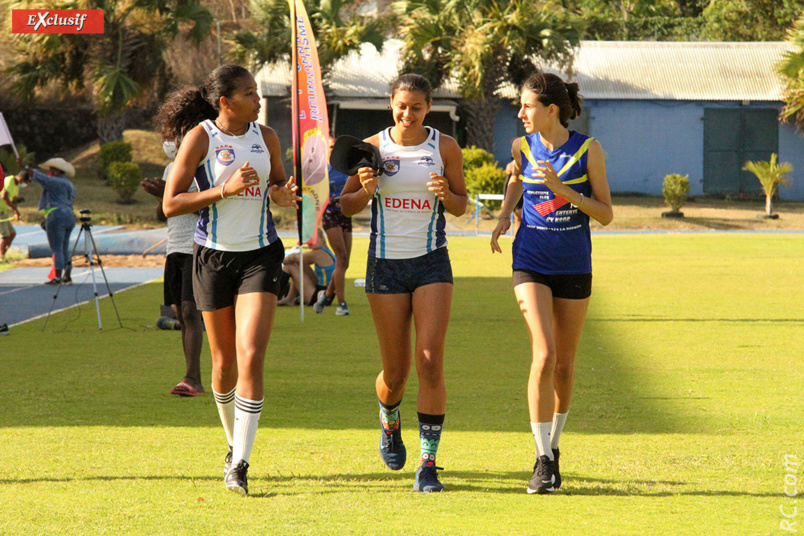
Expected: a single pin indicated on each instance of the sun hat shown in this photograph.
(350, 154)
(61, 164)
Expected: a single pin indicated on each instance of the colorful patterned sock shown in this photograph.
(429, 435)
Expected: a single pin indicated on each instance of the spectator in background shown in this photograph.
(58, 195)
(178, 280)
(316, 278)
(9, 195)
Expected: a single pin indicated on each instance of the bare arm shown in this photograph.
(512, 196)
(450, 188)
(176, 199)
(360, 188)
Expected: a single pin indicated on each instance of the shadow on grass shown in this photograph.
(320, 374)
(514, 483)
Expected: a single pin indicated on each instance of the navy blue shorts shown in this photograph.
(403, 276)
(567, 286)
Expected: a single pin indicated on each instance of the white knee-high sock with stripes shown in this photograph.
(226, 409)
(247, 417)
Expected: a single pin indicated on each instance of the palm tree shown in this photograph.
(771, 176)
(115, 68)
(791, 70)
(338, 25)
(483, 43)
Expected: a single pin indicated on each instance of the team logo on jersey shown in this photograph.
(390, 166)
(257, 148)
(225, 154)
(426, 161)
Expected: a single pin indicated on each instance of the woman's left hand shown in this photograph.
(549, 177)
(439, 185)
(285, 196)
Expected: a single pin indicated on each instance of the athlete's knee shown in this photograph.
(395, 378)
(544, 359)
(563, 371)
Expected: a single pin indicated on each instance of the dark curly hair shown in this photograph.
(185, 108)
(551, 89)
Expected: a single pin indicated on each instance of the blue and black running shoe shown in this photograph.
(427, 478)
(392, 449)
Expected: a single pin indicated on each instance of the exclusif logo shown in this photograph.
(57, 21)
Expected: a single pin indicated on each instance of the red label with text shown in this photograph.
(57, 21)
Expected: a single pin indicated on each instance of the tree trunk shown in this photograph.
(480, 117)
(769, 204)
(110, 127)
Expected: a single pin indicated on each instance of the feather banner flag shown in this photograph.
(310, 126)
(6, 139)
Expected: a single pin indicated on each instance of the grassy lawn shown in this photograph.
(687, 398)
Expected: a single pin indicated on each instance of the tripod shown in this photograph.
(91, 252)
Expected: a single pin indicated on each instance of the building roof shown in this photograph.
(609, 70)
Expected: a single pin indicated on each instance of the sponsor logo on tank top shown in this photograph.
(390, 166)
(404, 203)
(257, 148)
(225, 154)
(426, 161)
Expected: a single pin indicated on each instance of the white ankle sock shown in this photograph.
(226, 409)
(247, 417)
(541, 435)
(559, 420)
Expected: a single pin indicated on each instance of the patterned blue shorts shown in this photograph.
(403, 276)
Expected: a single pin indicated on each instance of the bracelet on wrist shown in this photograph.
(223, 187)
(579, 204)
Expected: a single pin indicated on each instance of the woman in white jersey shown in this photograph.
(563, 176)
(237, 165)
(409, 277)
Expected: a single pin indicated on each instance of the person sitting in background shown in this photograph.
(9, 194)
(58, 195)
(318, 266)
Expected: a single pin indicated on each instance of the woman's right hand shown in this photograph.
(368, 179)
(243, 178)
(503, 225)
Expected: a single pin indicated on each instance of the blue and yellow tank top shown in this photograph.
(554, 236)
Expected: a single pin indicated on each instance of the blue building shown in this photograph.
(700, 109)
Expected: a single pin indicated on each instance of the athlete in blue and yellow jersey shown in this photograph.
(561, 176)
(409, 276)
(237, 255)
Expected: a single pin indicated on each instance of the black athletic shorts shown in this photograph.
(567, 286)
(333, 217)
(178, 286)
(403, 276)
(218, 276)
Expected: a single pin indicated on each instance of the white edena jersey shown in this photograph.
(407, 220)
(242, 222)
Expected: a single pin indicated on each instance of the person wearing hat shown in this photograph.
(9, 194)
(58, 194)
(418, 178)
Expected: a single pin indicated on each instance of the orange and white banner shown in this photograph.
(57, 21)
(311, 125)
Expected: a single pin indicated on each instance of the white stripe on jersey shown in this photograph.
(407, 219)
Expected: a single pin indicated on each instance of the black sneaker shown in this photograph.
(237, 479)
(544, 476)
(427, 478)
(227, 463)
(556, 454)
(392, 449)
(53, 282)
(3, 330)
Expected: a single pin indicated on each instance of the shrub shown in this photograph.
(675, 190)
(485, 179)
(482, 174)
(114, 151)
(9, 159)
(125, 178)
(474, 157)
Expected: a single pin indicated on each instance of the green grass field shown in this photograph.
(688, 397)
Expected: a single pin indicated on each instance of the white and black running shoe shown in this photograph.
(544, 477)
(237, 479)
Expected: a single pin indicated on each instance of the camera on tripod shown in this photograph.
(86, 215)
